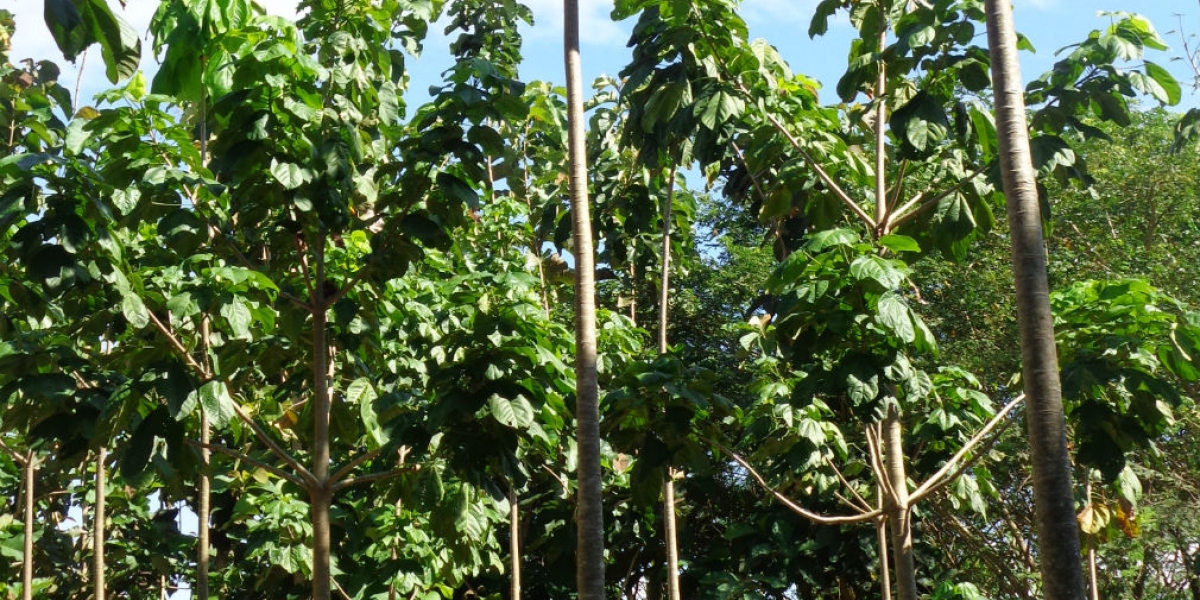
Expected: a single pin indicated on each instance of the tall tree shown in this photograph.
(1058, 532)
(589, 513)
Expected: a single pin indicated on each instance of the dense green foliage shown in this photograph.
(264, 282)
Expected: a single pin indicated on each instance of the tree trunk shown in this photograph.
(30, 500)
(1058, 533)
(514, 542)
(320, 494)
(664, 312)
(1093, 577)
(589, 510)
(203, 508)
(885, 574)
(98, 525)
(899, 515)
(671, 536)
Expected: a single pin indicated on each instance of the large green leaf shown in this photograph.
(214, 397)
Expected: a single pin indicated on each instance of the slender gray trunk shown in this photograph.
(1058, 533)
(589, 509)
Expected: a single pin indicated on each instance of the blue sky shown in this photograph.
(1050, 24)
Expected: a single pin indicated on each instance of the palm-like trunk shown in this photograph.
(1058, 534)
(589, 511)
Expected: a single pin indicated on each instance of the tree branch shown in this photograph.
(373, 477)
(342, 472)
(901, 217)
(791, 505)
(242, 457)
(877, 464)
(812, 163)
(275, 448)
(18, 458)
(939, 479)
(345, 289)
(178, 345)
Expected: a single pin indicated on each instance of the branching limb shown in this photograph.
(824, 175)
(907, 213)
(791, 505)
(178, 345)
(362, 458)
(876, 456)
(345, 289)
(242, 457)
(862, 504)
(275, 448)
(940, 479)
(373, 477)
(13, 454)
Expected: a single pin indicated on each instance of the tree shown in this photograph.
(589, 516)
(1058, 534)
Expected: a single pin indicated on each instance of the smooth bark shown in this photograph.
(1058, 532)
(589, 510)
(899, 514)
(514, 543)
(320, 494)
(99, 514)
(671, 534)
(203, 509)
(30, 469)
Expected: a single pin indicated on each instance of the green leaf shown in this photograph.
(67, 27)
(141, 445)
(135, 311)
(516, 413)
(821, 240)
(177, 386)
(899, 243)
(877, 269)
(457, 189)
(360, 392)
(1166, 83)
(1128, 486)
(895, 315)
(238, 314)
(288, 175)
(214, 398)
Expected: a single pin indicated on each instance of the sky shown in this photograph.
(1049, 24)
